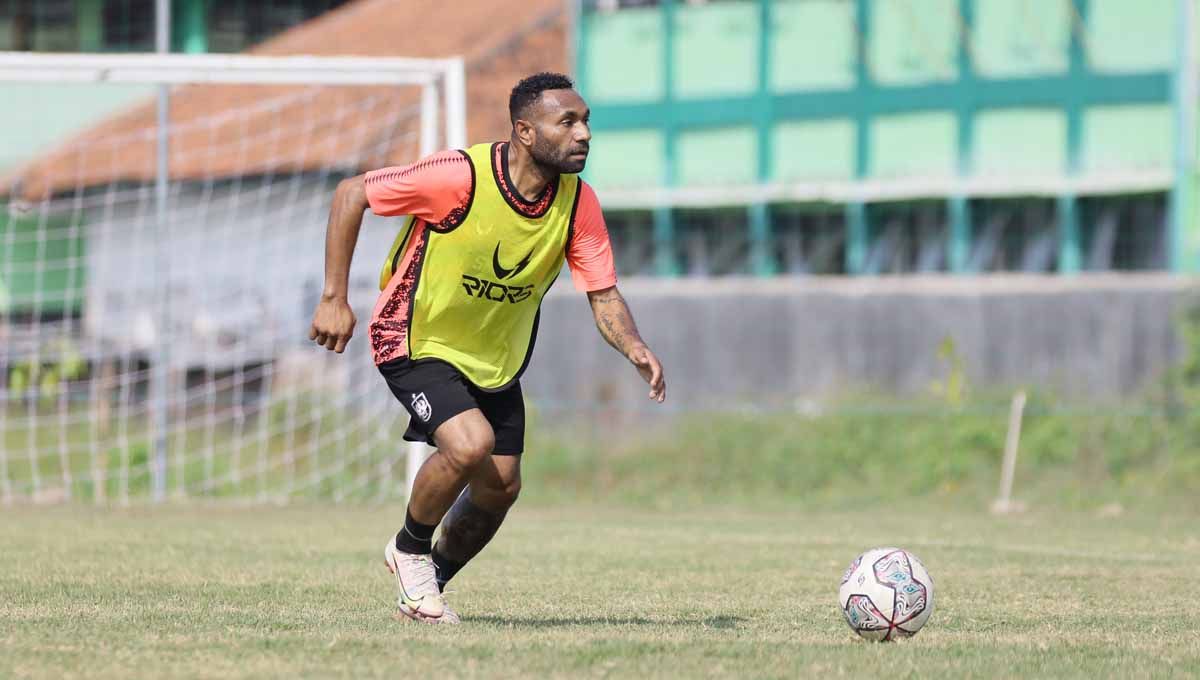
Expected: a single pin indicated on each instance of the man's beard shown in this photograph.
(555, 159)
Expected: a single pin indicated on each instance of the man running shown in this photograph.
(486, 233)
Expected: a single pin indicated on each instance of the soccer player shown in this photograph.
(486, 232)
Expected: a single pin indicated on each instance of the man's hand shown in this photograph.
(332, 324)
(615, 323)
(650, 370)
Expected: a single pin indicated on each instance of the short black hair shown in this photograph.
(531, 88)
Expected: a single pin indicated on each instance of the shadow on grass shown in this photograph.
(717, 622)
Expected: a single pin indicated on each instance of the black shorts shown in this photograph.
(433, 392)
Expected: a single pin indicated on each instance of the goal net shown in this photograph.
(157, 280)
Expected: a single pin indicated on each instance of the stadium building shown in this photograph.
(748, 138)
(892, 136)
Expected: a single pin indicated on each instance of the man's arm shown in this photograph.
(615, 323)
(429, 189)
(333, 322)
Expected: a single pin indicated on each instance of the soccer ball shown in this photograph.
(886, 594)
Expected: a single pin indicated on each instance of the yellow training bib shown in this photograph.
(480, 284)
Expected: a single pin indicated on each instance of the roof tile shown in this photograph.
(231, 130)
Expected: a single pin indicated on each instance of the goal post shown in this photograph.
(152, 350)
(195, 69)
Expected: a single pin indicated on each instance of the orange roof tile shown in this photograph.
(230, 130)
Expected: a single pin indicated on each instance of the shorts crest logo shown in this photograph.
(421, 406)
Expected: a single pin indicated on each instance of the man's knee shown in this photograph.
(465, 440)
(496, 495)
(468, 452)
(510, 491)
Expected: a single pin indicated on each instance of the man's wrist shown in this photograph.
(633, 348)
(331, 296)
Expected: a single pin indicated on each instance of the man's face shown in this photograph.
(560, 121)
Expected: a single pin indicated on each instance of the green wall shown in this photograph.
(41, 263)
(777, 91)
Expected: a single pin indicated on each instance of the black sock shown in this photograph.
(446, 569)
(415, 538)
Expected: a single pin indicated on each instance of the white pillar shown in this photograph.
(160, 379)
(456, 104)
(429, 119)
(417, 453)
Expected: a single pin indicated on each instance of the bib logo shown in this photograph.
(495, 292)
(498, 292)
(501, 272)
(421, 405)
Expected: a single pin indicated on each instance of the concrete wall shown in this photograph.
(736, 344)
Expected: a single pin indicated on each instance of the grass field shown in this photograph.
(591, 591)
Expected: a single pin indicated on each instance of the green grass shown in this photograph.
(297, 445)
(1141, 453)
(566, 591)
(1069, 458)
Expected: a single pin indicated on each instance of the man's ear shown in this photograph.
(525, 132)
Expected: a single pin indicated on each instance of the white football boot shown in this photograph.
(420, 598)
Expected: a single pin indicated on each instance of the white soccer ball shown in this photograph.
(886, 594)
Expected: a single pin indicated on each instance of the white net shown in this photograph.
(95, 289)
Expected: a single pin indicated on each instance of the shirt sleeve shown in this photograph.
(589, 255)
(432, 189)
